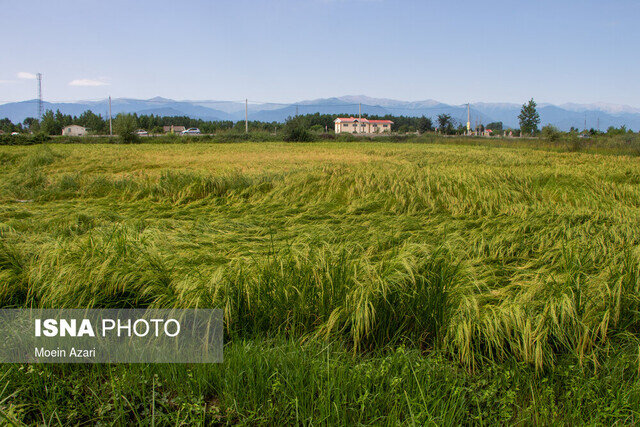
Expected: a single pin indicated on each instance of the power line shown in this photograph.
(110, 126)
(39, 76)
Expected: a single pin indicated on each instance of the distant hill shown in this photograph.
(563, 116)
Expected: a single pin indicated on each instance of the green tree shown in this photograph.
(295, 129)
(404, 129)
(529, 118)
(6, 125)
(126, 126)
(618, 131)
(495, 126)
(49, 124)
(424, 124)
(92, 122)
(63, 119)
(445, 124)
(31, 123)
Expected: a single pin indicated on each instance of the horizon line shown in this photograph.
(242, 101)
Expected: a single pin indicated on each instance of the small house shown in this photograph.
(355, 125)
(74, 130)
(172, 129)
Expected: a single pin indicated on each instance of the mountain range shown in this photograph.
(565, 116)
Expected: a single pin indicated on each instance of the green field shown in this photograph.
(362, 282)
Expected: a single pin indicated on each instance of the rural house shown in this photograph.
(356, 125)
(172, 129)
(74, 130)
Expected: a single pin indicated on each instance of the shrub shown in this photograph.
(551, 133)
(346, 137)
(14, 140)
(575, 144)
(295, 130)
(126, 126)
(297, 135)
(40, 138)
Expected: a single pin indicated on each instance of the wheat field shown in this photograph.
(479, 256)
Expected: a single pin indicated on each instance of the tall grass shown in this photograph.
(362, 282)
(269, 382)
(482, 254)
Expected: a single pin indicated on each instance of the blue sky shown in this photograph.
(453, 51)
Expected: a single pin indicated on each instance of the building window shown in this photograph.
(385, 125)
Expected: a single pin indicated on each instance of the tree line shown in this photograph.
(52, 123)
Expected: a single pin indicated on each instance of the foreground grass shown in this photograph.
(280, 381)
(509, 276)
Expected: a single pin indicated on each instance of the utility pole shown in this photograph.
(598, 123)
(468, 120)
(110, 124)
(246, 115)
(360, 116)
(585, 121)
(39, 76)
(296, 110)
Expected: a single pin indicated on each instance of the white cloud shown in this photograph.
(25, 75)
(87, 82)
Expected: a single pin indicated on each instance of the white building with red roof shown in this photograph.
(356, 125)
